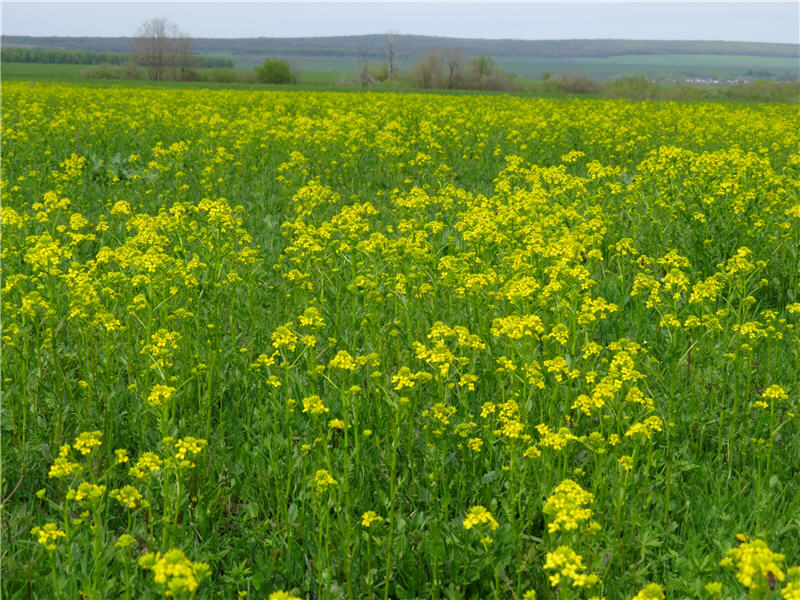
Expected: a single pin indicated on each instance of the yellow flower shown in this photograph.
(713, 588)
(314, 406)
(518, 326)
(652, 591)
(187, 445)
(147, 463)
(775, 392)
(567, 506)
(532, 452)
(264, 360)
(121, 207)
(88, 440)
(323, 480)
(792, 589)
(311, 317)
(478, 515)
(475, 444)
(468, 380)
(128, 496)
(554, 439)
(159, 394)
(568, 564)
(645, 428)
(124, 541)
(344, 361)
(86, 491)
(63, 467)
(174, 570)
(755, 564)
(283, 336)
(281, 595)
(404, 379)
(370, 517)
(48, 535)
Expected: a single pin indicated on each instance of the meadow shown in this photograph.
(300, 344)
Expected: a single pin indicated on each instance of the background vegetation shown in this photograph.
(85, 57)
(597, 59)
(415, 46)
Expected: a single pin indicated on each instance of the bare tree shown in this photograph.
(185, 61)
(427, 73)
(454, 63)
(362, 68)
(156, 44)
(392, 53)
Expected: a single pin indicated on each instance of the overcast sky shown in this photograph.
(739, 21)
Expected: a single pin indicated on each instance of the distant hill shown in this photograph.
(409, 47)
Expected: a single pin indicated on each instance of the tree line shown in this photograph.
(415, 46)
(83, 57)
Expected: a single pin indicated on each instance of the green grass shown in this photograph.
(662, 66)
(323, 77)
(41, 72)
(697, 60)
(77, 74)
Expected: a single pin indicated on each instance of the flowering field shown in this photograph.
(317, 345)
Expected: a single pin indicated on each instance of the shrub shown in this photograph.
(427, 72)
(379, 71)
(224, 75)
(445, 70)
(636, 87)
(128, 70)
(764, 90)
(575, 84)
(275, 70)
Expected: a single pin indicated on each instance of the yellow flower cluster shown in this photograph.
(128, 496)
(47, 535)
(652, 591)
(175, 571)
(88, 440)
(568, 567)
(344, 361)
(314, 405)
(159, 394)
(755, 564)
(323, 480)
(478, 515)
(646, 428)
(518, 326)
(86, 491)
(147, 463)
(370, 517)
(567, 506)
(281, 595)
(62, 466)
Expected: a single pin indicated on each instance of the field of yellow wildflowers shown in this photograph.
(316, 345)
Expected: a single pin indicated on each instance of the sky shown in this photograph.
(732, 21)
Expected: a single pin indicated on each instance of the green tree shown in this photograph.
(275, 70)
